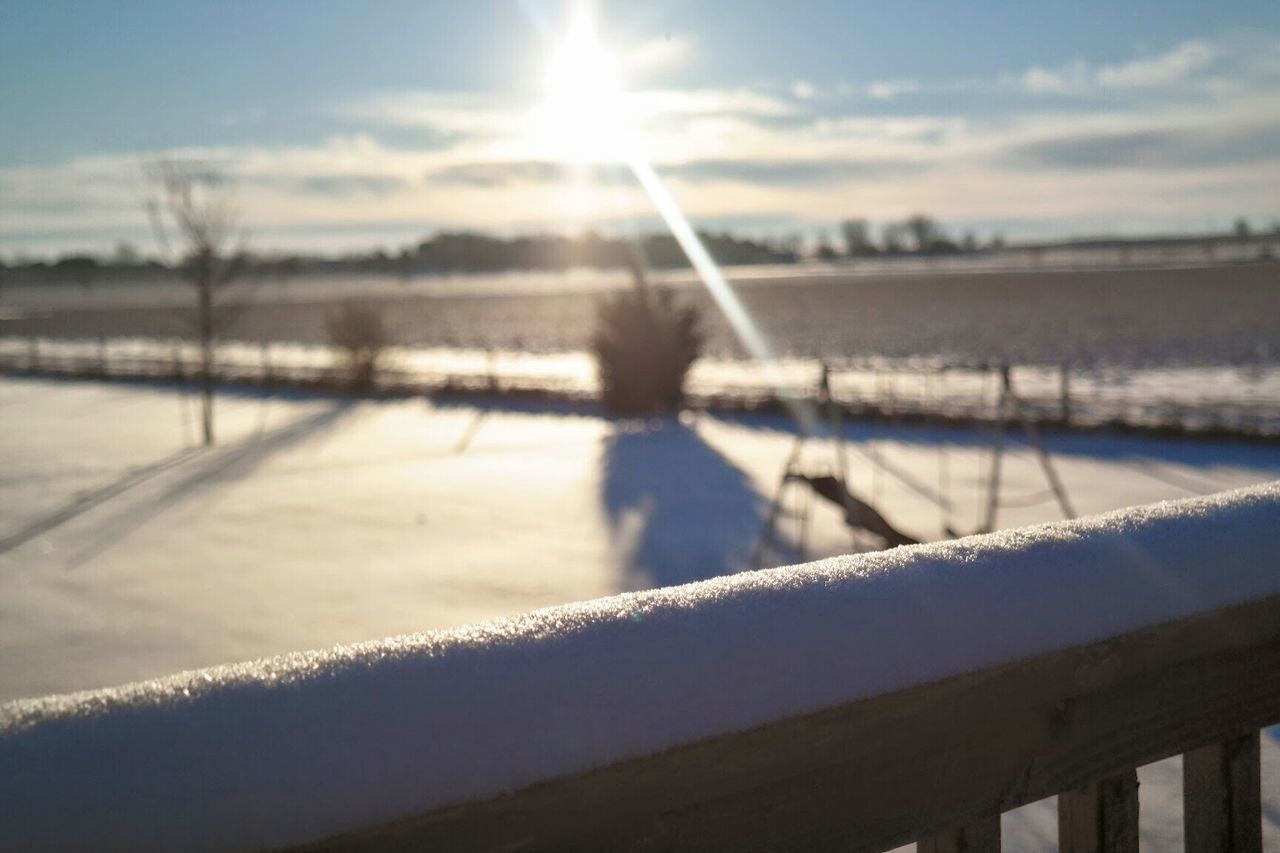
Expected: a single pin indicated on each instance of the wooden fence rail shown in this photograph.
(935, 764)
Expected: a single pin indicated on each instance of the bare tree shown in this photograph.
(824, 251)
(857, 238)
(893, 238)
(923, 231)
(195, 204)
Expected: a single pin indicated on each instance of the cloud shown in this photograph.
(1079, 77)
(1184, 147)
(774, 172)
(887, 90)
(506, 173)
(480, 127)
(785, 173)
(343, 176)
(1162, 70)
(351, 185)
(661, 103)
(1186, 62)
(499, 173)
(804, 90)
(456, 116)
(1073, 78)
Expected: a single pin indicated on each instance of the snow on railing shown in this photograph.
(727, 709)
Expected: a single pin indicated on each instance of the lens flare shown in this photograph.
(585, 113)
(703, 264)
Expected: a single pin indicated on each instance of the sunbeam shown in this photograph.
(726, 298)
(584, 120)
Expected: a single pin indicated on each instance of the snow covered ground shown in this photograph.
(126, 553)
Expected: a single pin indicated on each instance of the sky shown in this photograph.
(343, 126)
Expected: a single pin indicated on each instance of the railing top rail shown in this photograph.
(311, 745)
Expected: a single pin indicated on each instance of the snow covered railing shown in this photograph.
(857, 703)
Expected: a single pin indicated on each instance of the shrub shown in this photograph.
(645, 343)
(360, 333)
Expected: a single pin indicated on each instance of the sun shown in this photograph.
(582, 118)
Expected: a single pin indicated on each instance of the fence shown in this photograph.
(855, 705)
(1196, 399)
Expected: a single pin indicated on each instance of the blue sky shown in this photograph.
(346, 124)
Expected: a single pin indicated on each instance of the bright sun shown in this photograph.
(581, 118)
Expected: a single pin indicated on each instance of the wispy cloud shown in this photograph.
(348, 186)
(1161, 70)
(1185, 146)
(775, 173)
(1072, 78)
(487, 127)
(804, 90)
(456, 115)
(1164, 69)
(788, 173)
(1203, 62)
(497, 174)
(887, 90)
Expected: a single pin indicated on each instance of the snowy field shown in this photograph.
(1197, 314)
(126, 553)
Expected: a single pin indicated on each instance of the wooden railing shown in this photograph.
(908, 696)
(935, 764)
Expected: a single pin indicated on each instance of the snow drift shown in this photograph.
(297, 748)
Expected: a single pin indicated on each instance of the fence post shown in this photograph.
(1064, 394)
(1222, 797)
(1100, 818)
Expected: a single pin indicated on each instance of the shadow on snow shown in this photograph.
(1103, 446)
(678, 511)
(206, 469)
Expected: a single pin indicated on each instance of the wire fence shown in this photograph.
(1203, 400)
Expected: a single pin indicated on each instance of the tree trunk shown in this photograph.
(205, 290)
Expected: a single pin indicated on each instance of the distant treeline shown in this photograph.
(478, 252)
(468, 251)
(445, 252)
